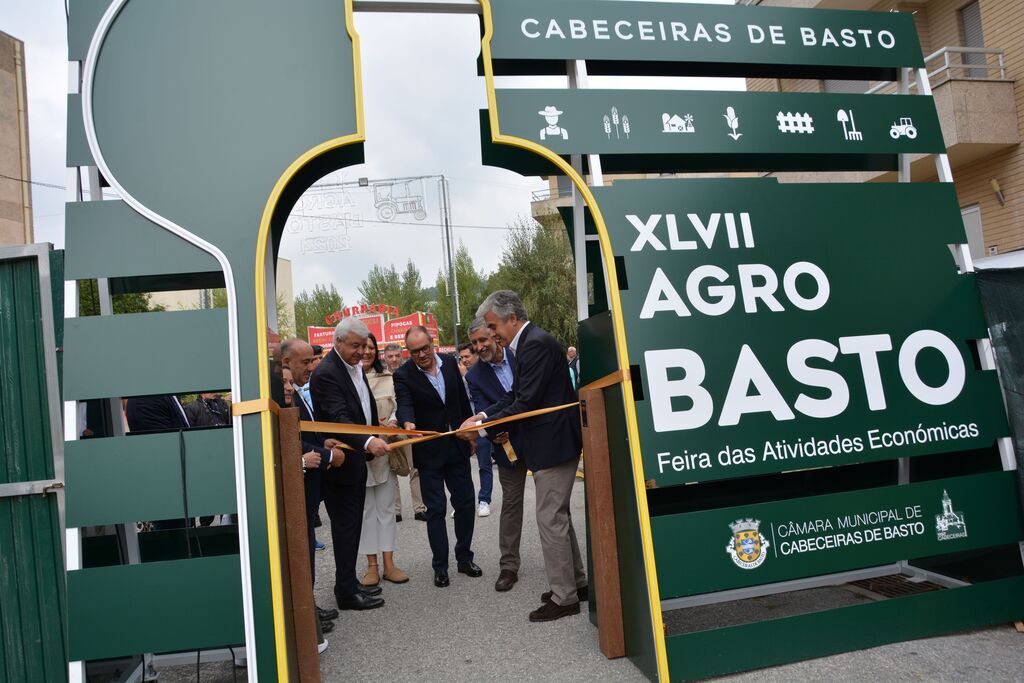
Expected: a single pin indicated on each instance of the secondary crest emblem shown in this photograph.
(747, 547)
(950, 524)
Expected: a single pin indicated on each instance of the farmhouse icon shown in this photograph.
(674, 123)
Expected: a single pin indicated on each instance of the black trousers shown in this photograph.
(344, 505)
(313, 481)
(453, 471)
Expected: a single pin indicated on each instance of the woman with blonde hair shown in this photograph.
(378, 535)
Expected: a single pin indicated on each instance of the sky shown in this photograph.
(421, 104)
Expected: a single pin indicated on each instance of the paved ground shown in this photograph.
(469, 632)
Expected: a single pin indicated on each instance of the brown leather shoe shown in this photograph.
(506, 579)
(582, 594)
(549, 611)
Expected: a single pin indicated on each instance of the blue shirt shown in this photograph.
(503, 371)
(436, 380)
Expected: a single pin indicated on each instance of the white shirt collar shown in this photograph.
(515, 340)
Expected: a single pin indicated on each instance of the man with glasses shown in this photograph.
(431, 396)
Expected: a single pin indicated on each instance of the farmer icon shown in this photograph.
(551, 115)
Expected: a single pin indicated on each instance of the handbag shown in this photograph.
(398, 462)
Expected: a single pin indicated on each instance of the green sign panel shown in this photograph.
(708, 34)
(783, 327)
(758, 544)
(693, 122)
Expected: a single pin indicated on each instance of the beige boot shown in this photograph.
(372, 576)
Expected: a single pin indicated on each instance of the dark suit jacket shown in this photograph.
(419, 403)
(486, 390)
(312, 441)
(153, 413)
(335, 400)
(540, 380)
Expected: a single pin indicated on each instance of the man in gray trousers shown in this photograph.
(551, 444)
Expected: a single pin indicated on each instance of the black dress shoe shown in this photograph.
(370, 591)
(358, 601)
(470, 569)
(549, 611)
(582, 594)
(326, 614)
(441, 578)
(326, 626)
(506, 579)
(420, 516)
(398, 518)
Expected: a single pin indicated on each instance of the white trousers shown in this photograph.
(378, 535)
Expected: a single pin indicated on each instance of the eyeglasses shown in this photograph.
(422, 351)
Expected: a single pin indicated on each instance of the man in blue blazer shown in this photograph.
(341, 394)
(489, 380)
(431, 396)
(551, 443)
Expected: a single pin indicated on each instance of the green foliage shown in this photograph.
(311, 308)
(471, 289)
(537, 264)
(89, 303)
(385, 285)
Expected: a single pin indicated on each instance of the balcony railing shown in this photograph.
(544, 195)
(956, 63)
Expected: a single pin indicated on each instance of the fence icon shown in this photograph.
(795, 123)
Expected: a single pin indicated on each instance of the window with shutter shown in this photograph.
(971, 36)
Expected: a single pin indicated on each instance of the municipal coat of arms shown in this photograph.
(747, 547)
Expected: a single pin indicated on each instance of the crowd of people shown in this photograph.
(508, 369)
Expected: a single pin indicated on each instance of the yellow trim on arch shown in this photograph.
(273, 542)
(618, 324)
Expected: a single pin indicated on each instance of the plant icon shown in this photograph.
(733, 122)
(625, 126)
(608, 126)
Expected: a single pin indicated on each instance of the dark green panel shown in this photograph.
(83, 17)
(78, 153)
(109, 239)
(155, 607)
(708, 237)
(714, 653)
(832, 533)
(138, 478)
(714, 40)
(632, 122)
(141, 354)
(32, 643)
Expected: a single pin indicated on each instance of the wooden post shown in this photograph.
(600, 508)
(295, 548)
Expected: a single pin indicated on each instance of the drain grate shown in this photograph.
(896, 585)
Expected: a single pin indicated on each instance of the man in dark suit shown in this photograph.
(318, 453)
(155, 413)
(489, 381)
(341, 393)
(431, 396)
(551, 444)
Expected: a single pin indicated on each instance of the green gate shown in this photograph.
(33, 646)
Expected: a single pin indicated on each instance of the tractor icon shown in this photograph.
(905, 128)
(391, 199)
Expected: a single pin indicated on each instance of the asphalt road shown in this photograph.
(469, 632)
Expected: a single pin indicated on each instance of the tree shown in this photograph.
(311, 308)
(135, 302)
(537, 264)
(471, 287)
(385, 285)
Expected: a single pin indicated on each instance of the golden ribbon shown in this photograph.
(420, 435)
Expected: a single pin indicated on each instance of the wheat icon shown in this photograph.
(625, 126)
(607, 127)
(615, 120)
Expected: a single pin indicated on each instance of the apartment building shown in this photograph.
(974, 54)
